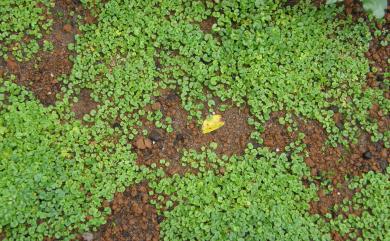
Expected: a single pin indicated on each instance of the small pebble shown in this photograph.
(367, 155)
(155, 135)
(379, 78)
(87, 236)
(116, 125)
(160, 218)
(148, 143)
(140, 143)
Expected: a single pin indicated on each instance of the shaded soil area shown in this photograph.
(132, 218)
(232, 138)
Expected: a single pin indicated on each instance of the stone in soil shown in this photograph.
(367, 155)
(87, 236)
(68, 28)
(155, 135)
(156, 106)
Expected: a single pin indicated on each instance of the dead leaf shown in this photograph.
(212, 123)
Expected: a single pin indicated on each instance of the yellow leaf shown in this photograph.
(212, 123)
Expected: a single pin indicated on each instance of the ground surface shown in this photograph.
(133, 217)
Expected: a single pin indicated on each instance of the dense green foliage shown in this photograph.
(55, 170)
(22, 24)
(260, 197)
(373, 201)
(52, 177)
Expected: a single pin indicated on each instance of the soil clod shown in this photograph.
(68, 28)
(160, 218)
(156, 106)
(143, 143)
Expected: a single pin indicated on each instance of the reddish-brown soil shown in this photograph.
(84, 105)
(132, 218)
(334, 164)
(365, 155)
(40, 75)
(232, 138)
(276, 136)
(207, 24)
(328, 165)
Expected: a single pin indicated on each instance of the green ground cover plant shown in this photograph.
(260, 197)
(52, 177)
(22, 25)
(372, 200)
(56, 170)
